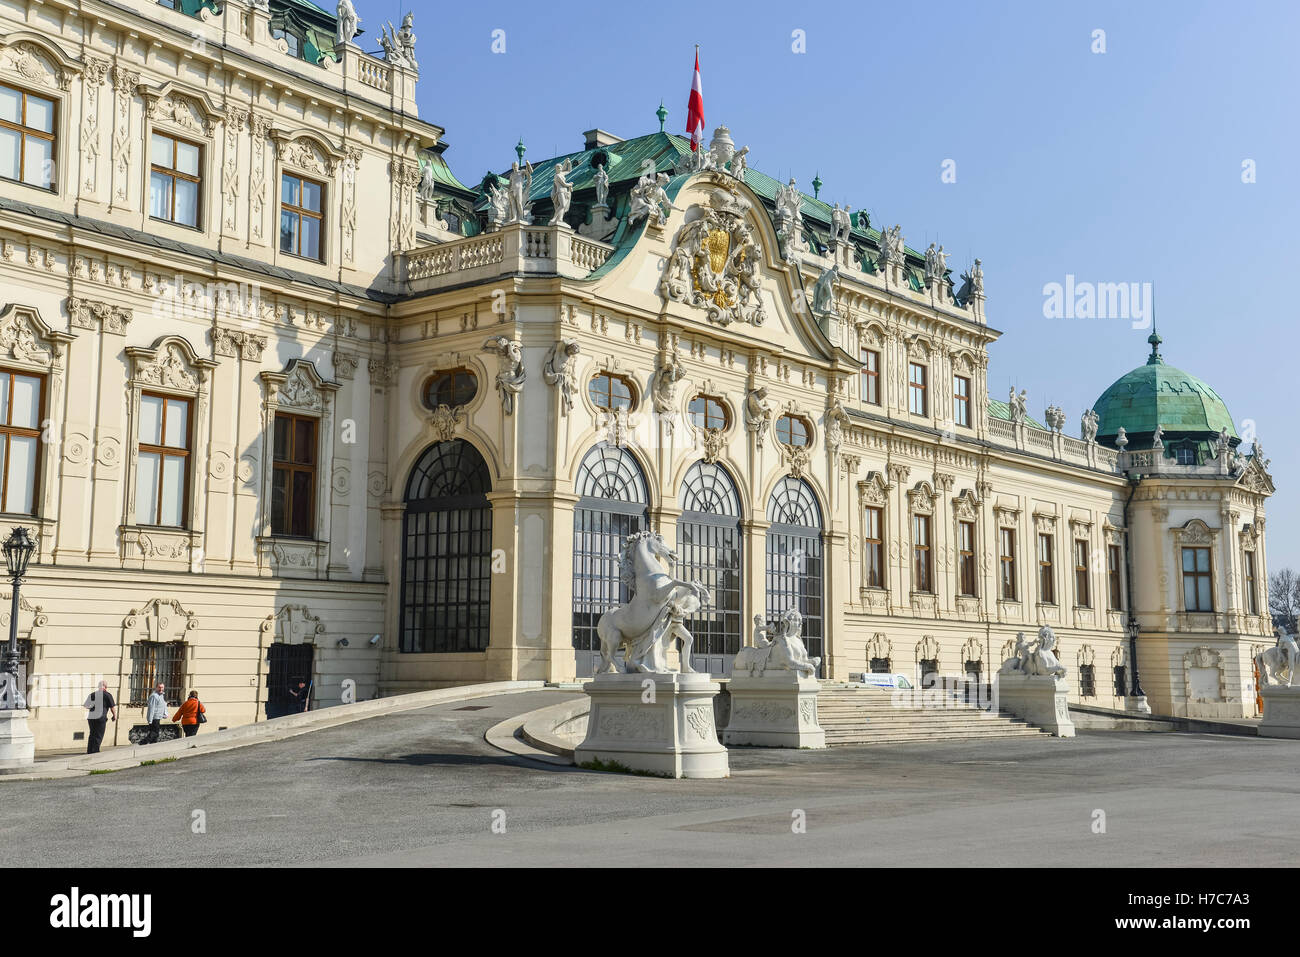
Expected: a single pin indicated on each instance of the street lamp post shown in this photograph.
(18, 549)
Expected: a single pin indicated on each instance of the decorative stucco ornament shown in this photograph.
(663, 391)
(650, 200)
(758, 413)
(714, 265)
(783, 651)
(561, 192)
(1121, 438)
(558, 371)
(510, 379)
(823, 303)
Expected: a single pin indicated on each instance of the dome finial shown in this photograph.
(662, 114)
(1155, 340)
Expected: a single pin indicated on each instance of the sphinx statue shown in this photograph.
(784, 651)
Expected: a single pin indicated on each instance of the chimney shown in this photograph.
(597, 138)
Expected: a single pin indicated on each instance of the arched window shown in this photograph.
(794, 559)
(609, 391)
(708, 412)
(447, 551)
(612, 507)
(792, 430)
(709, 550)
(450, 387)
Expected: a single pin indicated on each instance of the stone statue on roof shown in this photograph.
(789, 216)
(517, 192)
(399, 43)
(602, 186)
(936, 263)
(1088, 427)
(499, 206)
(739, 164)
(1019, 405)
(348, 22)
(561, 192)
(891, 245)
(650, 199)
(841, 223)
(426, 186)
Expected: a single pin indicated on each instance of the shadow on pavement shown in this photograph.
(456, 760)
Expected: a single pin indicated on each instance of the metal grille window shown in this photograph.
(1121, 681)
(1007, 537)
(961, 400)
(293, 476)
(1197, 593)
(873, 551)
(302, 220)
(917, 401)
(922, 580)
(974, 673)
(20, 439)
(1252, 599)
(966, 558)
(1114, 577)
(447, 551)
(174, 181)
(929, 668)
(155, 661)
(26, 652)
(26, 138)
(1082, 593)
(1046, 579)
(612, 507)
(794, 559)
(871, 376)
(1087, 681)
(881, 666)
(709, 550)
(162, 468)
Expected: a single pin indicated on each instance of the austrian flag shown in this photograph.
(695, 108)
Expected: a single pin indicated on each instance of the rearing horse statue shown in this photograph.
(643, 623)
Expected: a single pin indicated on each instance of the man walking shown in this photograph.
(156, 712)
(100, 705)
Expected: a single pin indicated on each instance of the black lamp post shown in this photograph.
(18, 549)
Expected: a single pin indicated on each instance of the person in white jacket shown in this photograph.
(156, 712)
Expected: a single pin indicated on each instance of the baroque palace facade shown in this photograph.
(283, 398)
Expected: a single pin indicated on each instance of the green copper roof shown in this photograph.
(1000, 410)
(1156, 394)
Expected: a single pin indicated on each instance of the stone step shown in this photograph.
(926, 739)
(869, 716)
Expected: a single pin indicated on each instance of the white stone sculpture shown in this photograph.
(1257, 452)
(841, 223)
(1034, 657)
(1088, 426)
(348, 22)
(789, 220)
(520, 187)
(1019, 405)
(891, 246)
(1030, 685)
(977, 279)
(561, 192)
(1015, 665)
(649, 200)
(758, 413)
(784, 652)
(739, 164)
(427, 185)
(558, 371)
(498, 206)
(510, 379)
(668, 373)
(823, 303)
(1158, 440)
(399, 44)
(936, 264)
(642, 625)
(836, 420)
(602, 187)
(1055, 418)
(1121, 439)
(714, 264)
(1279, 666)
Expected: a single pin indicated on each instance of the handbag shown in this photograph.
(198, 712)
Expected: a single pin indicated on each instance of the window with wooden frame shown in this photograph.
(175, 182)
(1248, 568)
(22, 395)
(873, 550)
(450, 387)
(293, 478)
(792, 430)
(917, 400)
(1115, 577)
(1007, 545)
(871, 376)
(27, 138)
(961, 400)
(1198, 591)
(1046, 571)
(966, 578)
(302, 217)
(163, 465)
(1082, 593)
(610, 391)
(708, 412)
(922, 566)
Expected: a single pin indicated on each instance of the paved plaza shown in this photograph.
(423, 788)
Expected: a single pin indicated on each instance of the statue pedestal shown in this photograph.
(17, 744)
(1281, 712)
(1039, 699)
(661, 723)
(777, 709)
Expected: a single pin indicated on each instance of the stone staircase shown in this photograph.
(863, 715)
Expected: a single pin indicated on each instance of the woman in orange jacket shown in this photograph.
(188, 714)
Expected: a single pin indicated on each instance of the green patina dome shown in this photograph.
(1156, 394)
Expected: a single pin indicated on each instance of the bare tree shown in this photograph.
(1284, 599)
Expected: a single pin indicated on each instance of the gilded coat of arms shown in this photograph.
(714, 265)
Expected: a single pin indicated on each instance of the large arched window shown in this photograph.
(794, 559)
(447, 551)
(612, 506)
(709, 550)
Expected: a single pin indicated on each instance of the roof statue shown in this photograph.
(824, 292)
(520, 210)
(498, 206)
(561, 192)
(426, 186)
(891, 245)
(650, 199)
(602, 187)
(348, 22)
(399, 44)
(841, 223)
(936, 264)
(1088, 426)
(789, 219)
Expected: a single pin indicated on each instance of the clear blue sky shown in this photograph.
(1116, 167)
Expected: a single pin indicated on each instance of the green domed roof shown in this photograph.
(1156, 394)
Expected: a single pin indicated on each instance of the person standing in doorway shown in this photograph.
(188, 714)
(99, 705)
(156, 712)
(301, 695)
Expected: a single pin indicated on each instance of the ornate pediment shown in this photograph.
(25, 338)
(966, 506)
(873, 490)
(170, 364)
(1255, 478)
(921, 498)
(714, 265)
(1195, 532)
(298, 388)
(169, 106)
(305, 151)
(36, 61)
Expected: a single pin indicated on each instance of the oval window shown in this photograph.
(792, 430)
(608, 391)
(451, 387)
(708, 412)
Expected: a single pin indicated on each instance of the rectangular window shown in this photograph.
(1087, 681)
(26, 138)
(1007, 537)
(174, 180)
(1252, 599)
(20, 441)
(1197, 593)
(871, 376)
(152, 662)
(162, 472)
(917, 402)
(1046, 581)
(873, 552)
(293, 481)
(1115, 576)
(961, 401)
(1121, 681)
(1082, 594)
(966, 558)
(921, 553)
(302, 220)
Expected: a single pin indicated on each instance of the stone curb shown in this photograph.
(539, 726)
(278, 729)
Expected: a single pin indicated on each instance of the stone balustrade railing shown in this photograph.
(1053, 445)
(511, 250)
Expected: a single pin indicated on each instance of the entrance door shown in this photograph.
(289, 665)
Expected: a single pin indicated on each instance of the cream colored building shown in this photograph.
(287, 399)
